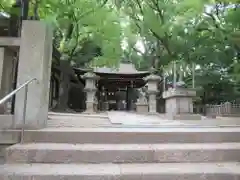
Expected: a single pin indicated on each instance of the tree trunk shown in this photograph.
(64, 86)
(63, 93)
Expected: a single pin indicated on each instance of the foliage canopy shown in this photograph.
(203, 35)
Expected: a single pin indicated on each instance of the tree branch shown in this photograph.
(77, 37)
(140, 6)
(164, 40)
(213, 19)
(160, 11)
(2, 6)
(35, 10)
(137, 50)
(92, 10)
(136, 20)
(164, 43)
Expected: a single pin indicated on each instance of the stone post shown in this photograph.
(227, 108)
(152, 82)
(2, 53)
(34, 62)
(90, 89)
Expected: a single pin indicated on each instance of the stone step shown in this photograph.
(77, 121)
(133, 135)
(169, 171)
(122, 153)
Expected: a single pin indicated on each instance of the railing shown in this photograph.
(10, 95)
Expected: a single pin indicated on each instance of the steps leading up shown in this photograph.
(125, 154)
(173, 171)
(122, 153)
(133, 135)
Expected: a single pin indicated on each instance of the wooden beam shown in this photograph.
(10, 41)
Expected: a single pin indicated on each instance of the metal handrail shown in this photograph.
(11, 94)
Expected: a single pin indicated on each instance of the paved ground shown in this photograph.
(1, 160)
(78, 120)
(126, 119)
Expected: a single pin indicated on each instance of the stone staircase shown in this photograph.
(125, 154)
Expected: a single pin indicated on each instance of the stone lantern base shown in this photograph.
(142, 108)
(90, 107)
(179, 104)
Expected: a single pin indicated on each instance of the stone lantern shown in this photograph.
(90, 89)
(152, 83)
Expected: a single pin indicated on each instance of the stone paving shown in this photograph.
(131, 119)
(1, 160)
(126, 118)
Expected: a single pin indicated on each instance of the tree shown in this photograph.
(86, 32)
(196, 38)
(199, 33)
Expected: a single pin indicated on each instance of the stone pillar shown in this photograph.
(34, 62)
(227, 108)
(2, 53)
(152, 82)
(179, 103)
(106, 106)
(95, 104)
(90, 89)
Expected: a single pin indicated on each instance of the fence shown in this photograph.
(224, 109)
(199, 109)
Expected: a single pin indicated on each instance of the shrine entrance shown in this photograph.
(117, 90)
(118, 93)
